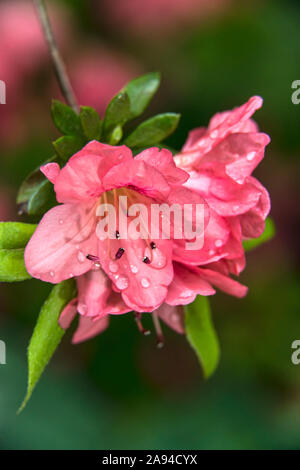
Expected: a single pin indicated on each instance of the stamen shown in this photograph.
(146, 260)
(137, 317)
(160, 337)
(92, 258)
(120, 253)
(153, 246)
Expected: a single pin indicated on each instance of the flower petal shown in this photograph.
(95, 295)
(88, 328)
(186, 285)
(61, 242)
(139, 176)
(163, 161)
(81, 178)
(172, 316)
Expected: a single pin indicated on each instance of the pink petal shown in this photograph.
(95, 295)
(186, 285)
(88, 328)
(163, 161)
(172, 316)
(253, 222)
(51, 171)
(143, 286)
(68, 314)
(139, 176)
(81, 178)
(61, 242)
(223, 283)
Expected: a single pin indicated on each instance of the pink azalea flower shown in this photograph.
(117, 275)
(220, 161)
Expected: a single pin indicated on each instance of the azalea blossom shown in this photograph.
(119, 274)
(220, 160)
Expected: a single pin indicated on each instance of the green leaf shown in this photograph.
(141, 91)
(42, 200)
(117, 112)
(153, 131)
(47, 333)
(268, 233)
(31, 185)
(12, 266)
(15, 234)
(91, 123)
(68, 145)
(116, 135)
(201, 334)
(65, 118)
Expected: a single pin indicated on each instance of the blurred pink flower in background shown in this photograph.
(22, 53)
(98, 74)
(158, 16)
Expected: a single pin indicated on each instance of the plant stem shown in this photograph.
(57, 60)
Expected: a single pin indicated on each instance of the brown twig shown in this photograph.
(58, 63)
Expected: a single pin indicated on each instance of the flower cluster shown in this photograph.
(115, 276)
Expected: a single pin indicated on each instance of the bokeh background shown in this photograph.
(118, 391)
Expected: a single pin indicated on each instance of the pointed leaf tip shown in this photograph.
(47, 334)
(201, 334)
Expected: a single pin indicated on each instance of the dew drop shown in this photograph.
(81, 257)
(122, 282)
(133, 269)
(97, 265)
(214, 134)
(218, 243)
(52, 273)
(82, 308)
(61, 221)
(113, 267)
(251, 156)
(211, 252)
(145, 282)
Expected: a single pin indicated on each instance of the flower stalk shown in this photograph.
(57, 60)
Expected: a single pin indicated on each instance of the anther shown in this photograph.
(92, 258)
(137, 317)
(120, 253)
(146, 260)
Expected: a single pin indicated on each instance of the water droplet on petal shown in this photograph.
(52, 273)
(113, 267)
(214, 134)
(61, 221)
(83, 308)
(133, 269)
(122, 282)
(145, 282)
(71, 275)
(211, 252)
(81, 257)
(251, 156)
(97, 265)
(218, 243)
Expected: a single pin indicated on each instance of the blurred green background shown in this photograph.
(118, 391)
